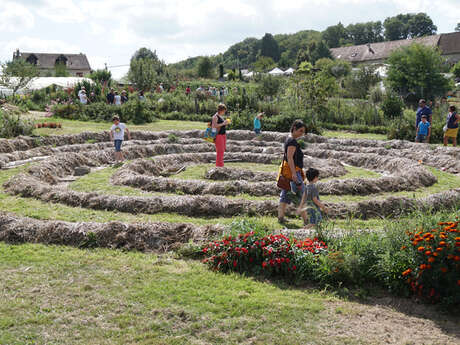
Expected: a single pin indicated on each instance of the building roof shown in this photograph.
(382, 50)
(450, 43)
(46, 60)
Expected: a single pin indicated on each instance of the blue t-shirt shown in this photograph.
(423, 128)
(422, 111)
(257, 124)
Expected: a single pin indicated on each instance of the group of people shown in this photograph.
(84, 98)
(113, 97)
(423, 123)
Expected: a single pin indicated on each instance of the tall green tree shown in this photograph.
(408, 25)
(17, 74)
(417, 69)
(314, 51)
(335, 35)
(270, 48)
(146, 70)
(205, 68)
(101, 76)
(60, 70)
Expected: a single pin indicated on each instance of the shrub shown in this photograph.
(434, 272)
(13, 125)
(392, 106)
(271, 255)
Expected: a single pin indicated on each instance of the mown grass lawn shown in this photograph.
(62, 295)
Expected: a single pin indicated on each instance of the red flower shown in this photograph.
(235, 263)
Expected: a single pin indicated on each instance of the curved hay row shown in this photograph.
(139, 236)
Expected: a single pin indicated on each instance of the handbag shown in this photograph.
(283, 183)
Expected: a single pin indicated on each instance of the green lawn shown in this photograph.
(62, 295)
(353, 135)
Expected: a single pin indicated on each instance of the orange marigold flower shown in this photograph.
(431, 259)
(428, 266)
(435, 254)
(403, 247)
(428, 253)
(439, 249)
(442, 243)
(422, 266)
(406, 272)
(421, 249)
(444, 269)
(456, 258)
(457, 238)
(450, 256)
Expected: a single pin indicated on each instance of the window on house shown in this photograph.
(32, 59)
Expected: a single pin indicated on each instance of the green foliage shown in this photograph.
(12, 125)
(146, 71)
(269, 86)
(363, 33)
(134, 111)
(335, 35)
(417, 69)
(172, 138)
(102, 76)
(334, 68)
(392, 105)
(205, 68)
(457, 28)
(264, 64)
(358, 83)
(270, 48)
(17, 74)
(456, 70)
(60, 70)
(408, 25)
(313, 52)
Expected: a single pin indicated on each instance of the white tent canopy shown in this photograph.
(276, 71)
(289, 71)
(42, 82)
(249, 74)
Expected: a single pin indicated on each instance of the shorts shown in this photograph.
(117, 143)
(451, 133)
(284, 195)
(314, 214)
(421, 138)
(257, 131)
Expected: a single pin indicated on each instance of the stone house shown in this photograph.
(448, 44)
(77, 65)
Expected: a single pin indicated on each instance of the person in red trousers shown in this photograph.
(218, 126)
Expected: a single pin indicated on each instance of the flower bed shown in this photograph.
(435, 270)
(272, 255)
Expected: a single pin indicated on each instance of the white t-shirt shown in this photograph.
(117, 99)
(118, 131)
(83, 98)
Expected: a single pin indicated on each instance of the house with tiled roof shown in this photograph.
(77, 65)
(448, 44)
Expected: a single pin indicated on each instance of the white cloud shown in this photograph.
(61, 11)
(15, 17)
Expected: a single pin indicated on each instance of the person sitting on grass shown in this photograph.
(257, 124)
(117, 133)
(310, 197)
(423, 130)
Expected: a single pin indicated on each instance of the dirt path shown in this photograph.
(389, 320)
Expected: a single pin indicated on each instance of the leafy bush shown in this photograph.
(392, 106)
(271, 255)
(434, 272)
(13, 125)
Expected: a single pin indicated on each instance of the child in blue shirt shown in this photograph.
(257, 124)
(423, 130)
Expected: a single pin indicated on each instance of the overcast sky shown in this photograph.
(111, 31)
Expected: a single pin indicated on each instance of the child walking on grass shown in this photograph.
(117, 133)
(311, 198)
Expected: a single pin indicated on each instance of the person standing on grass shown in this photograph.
(218, 126)
(423, 109)
(117, 134)
(124, 97)
(110, 97)
(293, 163)
(423, 131)
(257, 124)
(83, 97)
(310, 198)
(117, 99)
(451, 126)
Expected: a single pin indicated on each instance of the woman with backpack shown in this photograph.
(218, 127)
(451, 127)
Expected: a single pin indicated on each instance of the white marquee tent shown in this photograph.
(42, 82)
(276, 71)
(289, 71)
